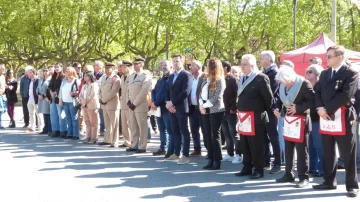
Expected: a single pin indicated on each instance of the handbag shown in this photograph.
(76, 101)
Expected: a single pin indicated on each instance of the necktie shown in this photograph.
(244, 79)
(333, 74)
(124, 77)
(135, 76)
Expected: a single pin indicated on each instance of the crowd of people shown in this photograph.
(258, 113)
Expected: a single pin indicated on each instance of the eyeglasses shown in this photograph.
(331, 56)
(45, 70)
(309, 72)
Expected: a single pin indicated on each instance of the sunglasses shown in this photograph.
(309, 72)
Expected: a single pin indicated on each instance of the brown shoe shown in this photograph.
(102, 133)
(196, 153)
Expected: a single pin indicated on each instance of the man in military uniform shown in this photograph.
(138, 88)
(109, 100)
(127, 70)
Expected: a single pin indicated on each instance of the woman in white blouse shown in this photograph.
(212, 108)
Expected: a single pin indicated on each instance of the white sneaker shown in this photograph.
(237, 159)
(227, 157)
(183, 160)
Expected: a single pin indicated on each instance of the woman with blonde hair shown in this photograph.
(211, 104)
(68, 101)
(89, 99)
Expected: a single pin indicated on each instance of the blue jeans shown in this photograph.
(72, 119)
(315, 149)
(195, 125)
(54, 118)
(164, 126)
(3, 108)
(149, 125)
(102, 122)
(179, 126)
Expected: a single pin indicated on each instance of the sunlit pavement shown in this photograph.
(39, 168)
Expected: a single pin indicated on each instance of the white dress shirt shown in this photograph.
(193, 90)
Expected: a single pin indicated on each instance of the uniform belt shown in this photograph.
(195, 106)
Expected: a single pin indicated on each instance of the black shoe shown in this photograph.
(56, 134)
(63, 135)
(209, 164)
(140, 151)
(302, 184)
(216, 166)
(159, 152)
(275, 169)
(285, 178)
(130, 149)
(75, 138)
(123, 145)
(317, 174)
(26, 125)
(68, 137)
(257, 175)
(42, 133)
(323, 186)
(243, 173)
(103, 143)
(339, 167)
(353, 192)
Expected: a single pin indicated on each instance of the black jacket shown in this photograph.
(333, 93)
(303, 101)
(55, 84)
(257, 97)
(271, 72)
(230, 93)
(11, 94)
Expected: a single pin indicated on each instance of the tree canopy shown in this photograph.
(39, 32)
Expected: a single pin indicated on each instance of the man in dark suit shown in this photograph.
(270, 69)
(194, 112)
(336, 88)
(254, 96)
(179, 87)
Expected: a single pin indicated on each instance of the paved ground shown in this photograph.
(39, 168)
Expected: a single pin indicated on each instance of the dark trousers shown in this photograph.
(25, 110)
(179, 126)
(47, 123)
(11, 108)
(153, 122)
(253, 149)
(195, 125)
(272, 136)
(347, 146)
(232, 138)
(302, 151)
(213, 123)
(120, 125)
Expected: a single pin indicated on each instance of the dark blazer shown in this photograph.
(55, 84)
(178, 93)
(271, 72)
(357, 98)
(11, 94)
(257, 97)
(158, 93)
(230, 93)
(303, 101)
(332, 93)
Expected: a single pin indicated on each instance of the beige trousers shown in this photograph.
(111, 119)
(33, 113)
(91, 122)
(125, 127)
(139, 129)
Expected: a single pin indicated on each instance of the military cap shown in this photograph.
(138, 59)
(109, 64)
(127, 62)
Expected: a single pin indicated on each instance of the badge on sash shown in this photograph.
(334, 127)
(294, 128)
(246, 125)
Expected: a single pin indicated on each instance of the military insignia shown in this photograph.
(337, 84)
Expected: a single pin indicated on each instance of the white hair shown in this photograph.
(289, 63)
(29, 67)
(317, 69)
(198, 63)
(251, 59)
(99, 63)
(286, 74)
(119, 63)
(269, 54)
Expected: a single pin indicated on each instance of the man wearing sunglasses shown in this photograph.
(334, 99)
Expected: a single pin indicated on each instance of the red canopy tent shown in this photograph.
(300, 57)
